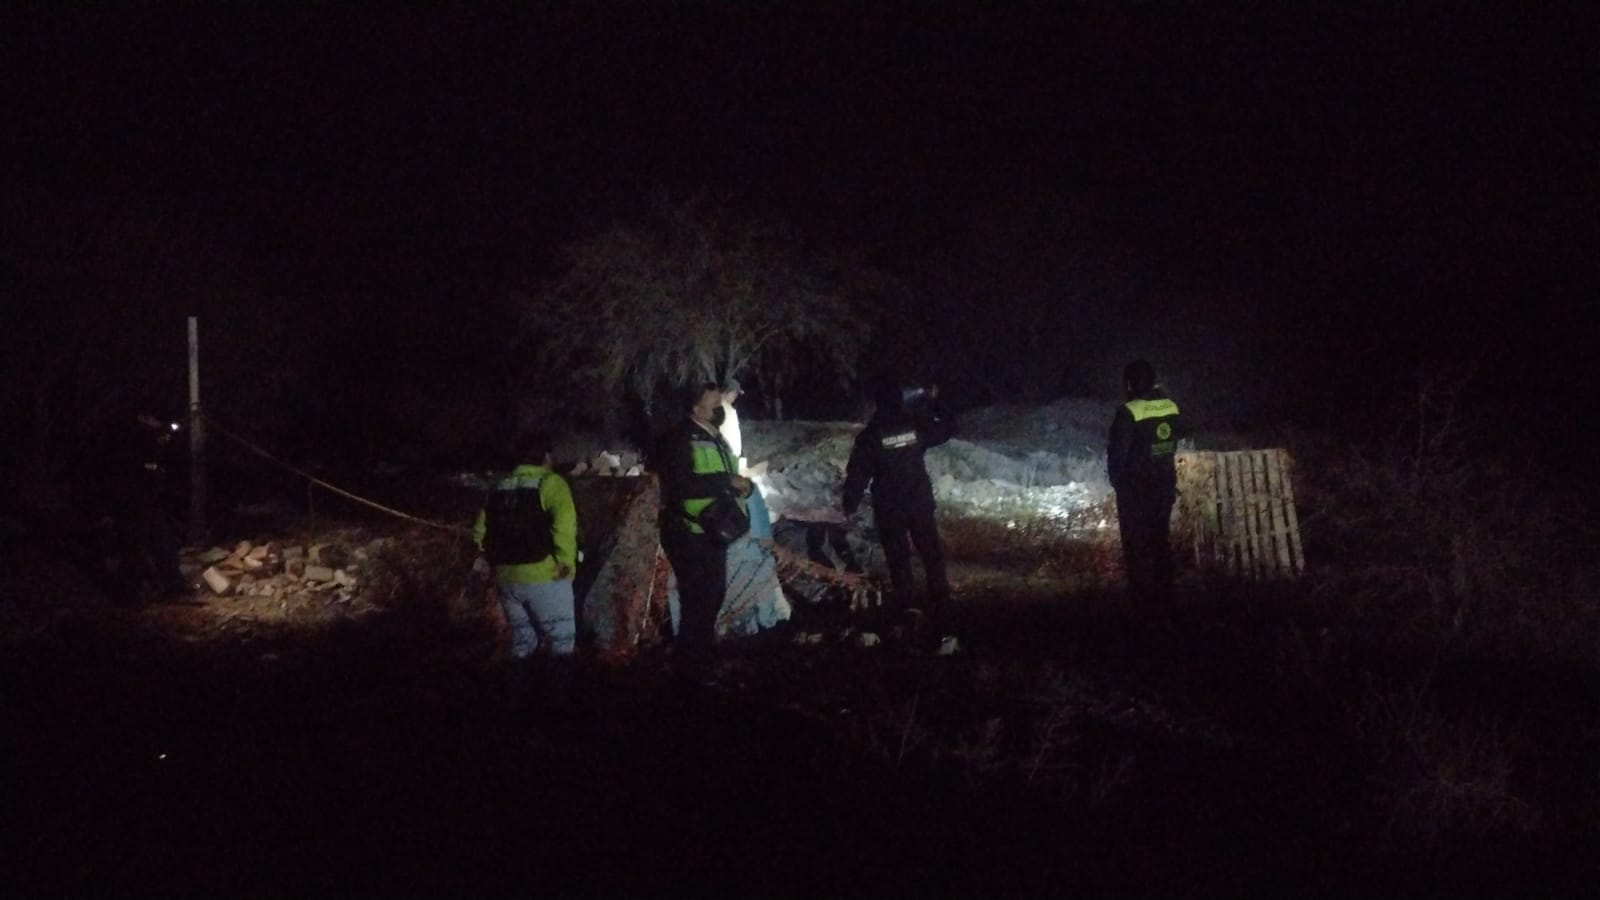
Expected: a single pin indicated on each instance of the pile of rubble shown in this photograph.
(279, 570)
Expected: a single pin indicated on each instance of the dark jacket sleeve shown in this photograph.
(1119, 447)
(858, 471)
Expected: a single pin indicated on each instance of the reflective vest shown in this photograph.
(708, 456)
(1155, 425)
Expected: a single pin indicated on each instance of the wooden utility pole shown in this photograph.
(197, 441)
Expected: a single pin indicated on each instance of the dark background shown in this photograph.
(1296, 210)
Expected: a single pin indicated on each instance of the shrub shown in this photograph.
(1429, 554)
(1442, 545)
(1441, 776)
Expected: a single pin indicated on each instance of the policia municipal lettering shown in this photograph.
(1141, 460)
(703, 506)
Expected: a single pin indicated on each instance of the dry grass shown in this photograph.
(1440, 775)
(1019, 726)
(1446, 549)
(1432, 556)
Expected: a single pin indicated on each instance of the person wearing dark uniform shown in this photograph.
(887, 458)
(696, 468)
(1141, 460)
(135, 491)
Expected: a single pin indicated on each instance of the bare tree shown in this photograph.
(690, 293)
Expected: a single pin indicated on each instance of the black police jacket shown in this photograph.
(1142, 447)
(888, 458)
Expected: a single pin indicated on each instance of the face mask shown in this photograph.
(718, 416)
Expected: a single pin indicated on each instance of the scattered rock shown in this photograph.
(215, 580)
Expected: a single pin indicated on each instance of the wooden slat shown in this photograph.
(1280, 526)
(1213, 484)
(1234, 530)
(1252, 503)
(1292, 520)
(1266, 559)
(1241, 514)
(1271, 515)
(1228, 533)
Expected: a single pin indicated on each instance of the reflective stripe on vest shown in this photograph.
(1158, 432)
(1151, 409)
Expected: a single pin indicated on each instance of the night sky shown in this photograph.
(1317, 198)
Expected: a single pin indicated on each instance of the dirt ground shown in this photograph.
(218, 748)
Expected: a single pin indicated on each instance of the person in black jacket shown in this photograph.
(888, 459)
(1141, 460)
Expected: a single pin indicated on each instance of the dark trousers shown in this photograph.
(1144, 519)
(897, 532)
(701, 567)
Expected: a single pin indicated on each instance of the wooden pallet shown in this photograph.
(1238, 510)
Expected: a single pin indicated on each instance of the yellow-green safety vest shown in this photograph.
(1154, 422)
(708, 456)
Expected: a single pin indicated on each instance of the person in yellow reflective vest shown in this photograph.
(1141, 460)
(696, 468)
(528, 530)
